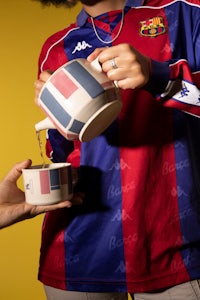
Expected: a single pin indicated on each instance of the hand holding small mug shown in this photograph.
(13, 206)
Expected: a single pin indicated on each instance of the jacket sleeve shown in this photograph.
(59, 149)
(175, 85)
(52, 56)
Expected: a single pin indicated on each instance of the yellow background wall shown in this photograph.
(24, 25)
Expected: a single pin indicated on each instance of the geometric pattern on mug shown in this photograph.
(85, 79)
(67, 86)
(52, 180)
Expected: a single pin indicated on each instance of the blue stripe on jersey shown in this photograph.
(187, 36)
(85, 79)
(188, 212)
(101, 208)
(55, 108)
(112, 24)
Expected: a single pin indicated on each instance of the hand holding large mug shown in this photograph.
(78, 99)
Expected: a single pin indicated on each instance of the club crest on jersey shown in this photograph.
(152, 27)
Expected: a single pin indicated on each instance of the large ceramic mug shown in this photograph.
(79, 100)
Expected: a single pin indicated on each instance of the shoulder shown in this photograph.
(59, 36)
(54, 47)
(159, 3)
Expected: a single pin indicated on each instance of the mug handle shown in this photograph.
(97, 66)
(74, 175)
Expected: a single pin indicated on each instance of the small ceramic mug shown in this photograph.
(49, 184)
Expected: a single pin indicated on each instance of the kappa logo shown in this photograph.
(152, 27)
(81, 46)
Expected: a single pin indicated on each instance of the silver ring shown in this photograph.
(113, 64)
(116, 84)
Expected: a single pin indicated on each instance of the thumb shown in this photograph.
(16, 170)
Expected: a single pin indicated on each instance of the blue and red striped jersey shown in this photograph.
(138, 229)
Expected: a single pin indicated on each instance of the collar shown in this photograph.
(83, 16)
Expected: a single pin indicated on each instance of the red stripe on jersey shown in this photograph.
(53, 252)
(189, 108)
(137, 40)
(143, 260)
(181, 67)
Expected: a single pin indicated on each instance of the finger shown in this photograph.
(38, 84)
(52, 207)
(16, 170)
(126, 84)
(77, 200)
(111, 64)
(95, 54)
(38, 87)
(44, 76)
(34, 210)
(109, 53)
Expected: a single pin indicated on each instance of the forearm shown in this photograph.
(12, 214)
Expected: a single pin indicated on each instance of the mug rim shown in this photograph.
(50, 166)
